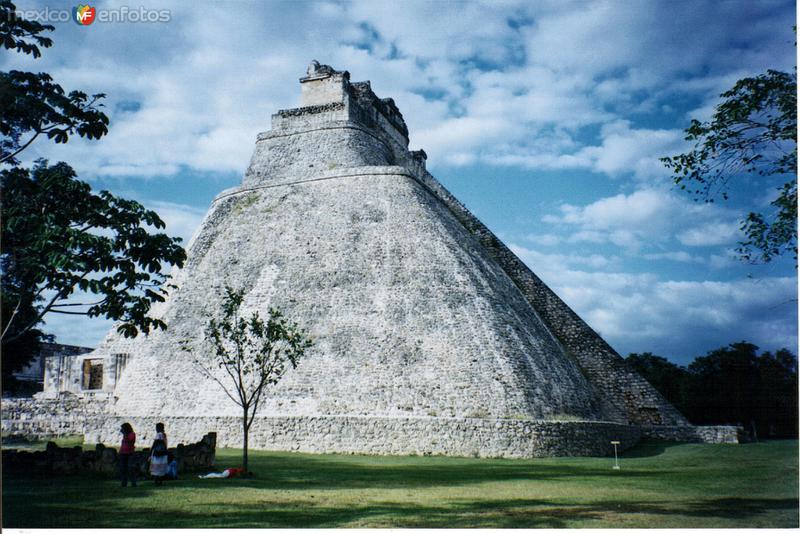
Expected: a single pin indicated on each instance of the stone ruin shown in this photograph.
(49, 364)
(430, 335)
(55, 460)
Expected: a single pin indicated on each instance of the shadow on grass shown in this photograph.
(306, 472)
(504, 513)
(299, 490)
(649, 448)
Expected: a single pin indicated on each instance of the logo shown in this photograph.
(84, 14)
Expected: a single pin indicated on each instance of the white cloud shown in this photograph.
(715, 233)
(646, 217)
(723, 261)
(640, 207)
(513, 83)
(625, 149)
(679, 256)
(641, 312)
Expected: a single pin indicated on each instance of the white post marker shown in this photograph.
(616, 461)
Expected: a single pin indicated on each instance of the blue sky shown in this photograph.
(546, 118)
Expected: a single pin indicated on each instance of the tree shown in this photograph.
(752, 132)
(736, 385)
(730, 385)
(725, 385)
(20, 34)
(32, 104)
(777, 401)
(17, 353)
(57, 236)
(252, 355)
(671, 380)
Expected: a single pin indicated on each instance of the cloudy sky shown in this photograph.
(546, 118)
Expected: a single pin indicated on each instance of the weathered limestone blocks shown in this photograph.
(43, 418)
(55, 460)
(407, 316)
(697, 434)
(283, 156)
(399, 435)
(482, 437)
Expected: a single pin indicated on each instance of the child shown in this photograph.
(172, 467)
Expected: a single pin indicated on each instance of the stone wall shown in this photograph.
(55, 460)
(487, 437)
(697, 434)
(283, 156)
(396, 435)
(46, 418)
(35, 370)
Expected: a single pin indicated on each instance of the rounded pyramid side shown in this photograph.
(408, 314)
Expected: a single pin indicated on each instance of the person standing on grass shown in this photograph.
(127, 463)
(159, 459)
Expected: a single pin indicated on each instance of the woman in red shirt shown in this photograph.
(127, 464)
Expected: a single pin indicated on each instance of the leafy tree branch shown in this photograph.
(753, 132)
(32, 103)
(46, 253)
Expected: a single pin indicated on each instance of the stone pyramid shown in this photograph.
(429, 334)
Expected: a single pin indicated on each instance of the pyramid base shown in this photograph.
(472, 437)
(504, 438)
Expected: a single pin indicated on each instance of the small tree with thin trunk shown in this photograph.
(252, 354)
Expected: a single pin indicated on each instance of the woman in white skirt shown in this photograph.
(159, 460)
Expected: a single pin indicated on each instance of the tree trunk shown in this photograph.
(245, 432)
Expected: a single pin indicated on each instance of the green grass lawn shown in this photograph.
(65, 442)
(659, 485)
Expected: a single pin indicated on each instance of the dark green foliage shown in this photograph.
(753, 131)
(253, 354)
(725, 388)
(669, 379)
(736, 385)
(17, 353)
(20, 34)
(730, 385)
(31, 103)
(34, 105)
(768, 239)
(59, 237)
